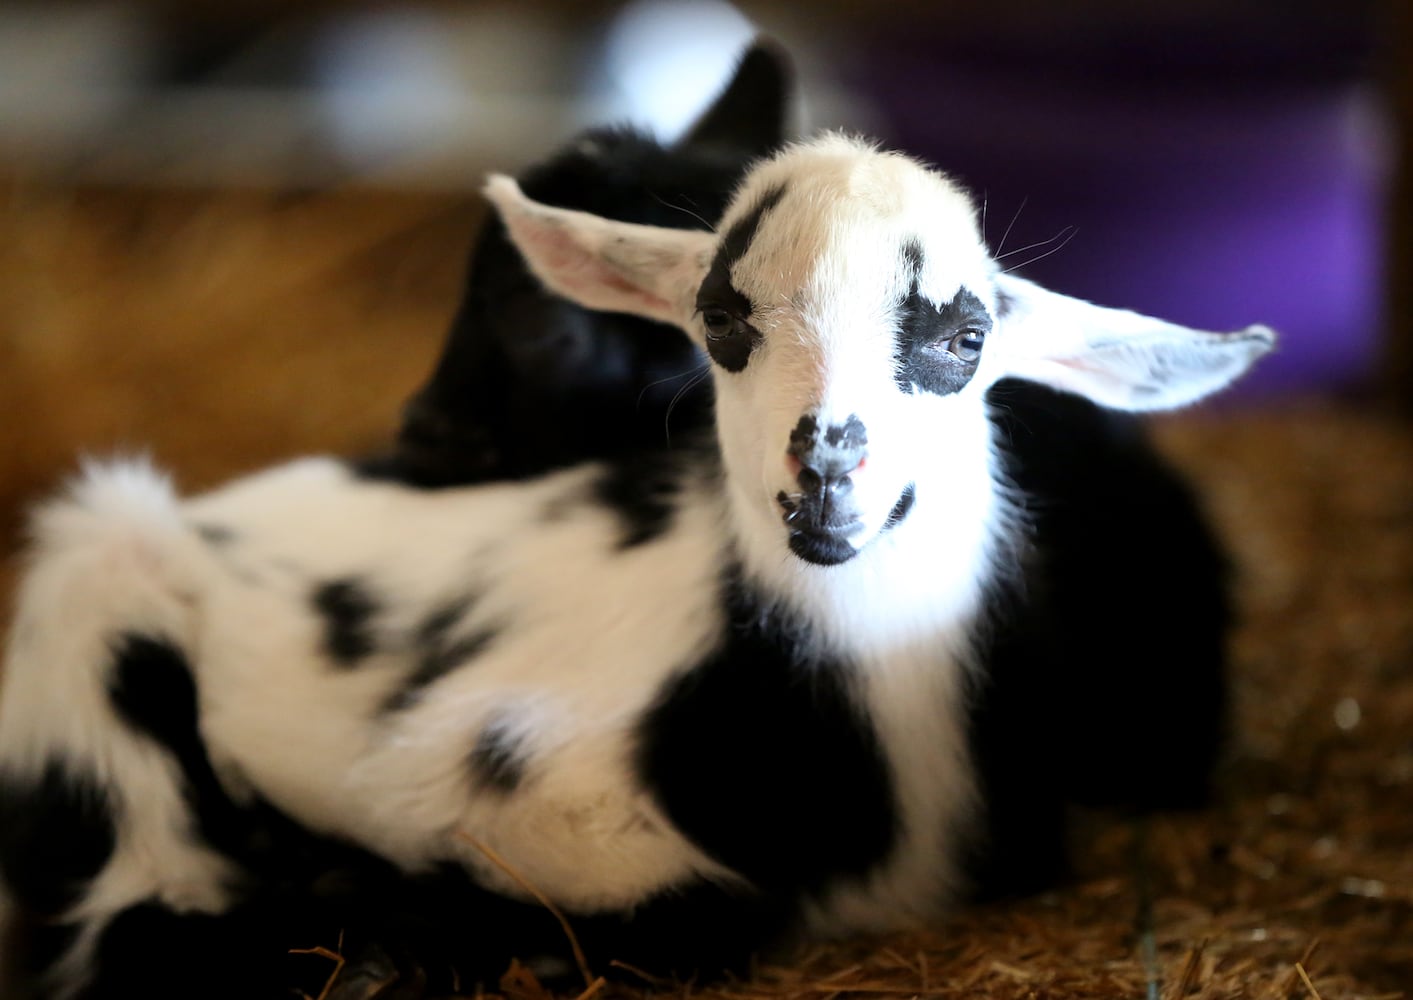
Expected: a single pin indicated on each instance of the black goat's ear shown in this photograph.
(749, 116)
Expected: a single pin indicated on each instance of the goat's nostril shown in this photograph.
(832, 477)
(793, 465)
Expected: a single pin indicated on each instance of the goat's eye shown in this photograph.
(720, 323)
(966, 344)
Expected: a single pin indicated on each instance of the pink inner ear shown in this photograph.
(582, 275)
(619, 283)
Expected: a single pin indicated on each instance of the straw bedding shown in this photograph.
(226, 331)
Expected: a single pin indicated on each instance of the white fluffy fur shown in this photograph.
(586, 634)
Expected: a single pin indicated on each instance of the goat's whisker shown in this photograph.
(701, 373)
(679, 208)
(1039, 243)
(1068, 233)
(1001, 246)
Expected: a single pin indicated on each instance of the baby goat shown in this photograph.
(528, 382)
(699, 698)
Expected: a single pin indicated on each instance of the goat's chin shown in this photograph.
(821, 549)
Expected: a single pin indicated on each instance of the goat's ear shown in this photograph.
(601, 264)
(1116, 358)
(749, 115)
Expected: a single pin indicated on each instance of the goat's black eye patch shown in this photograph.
(730, 343)
(938, 347)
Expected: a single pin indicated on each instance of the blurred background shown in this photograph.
(235, 230)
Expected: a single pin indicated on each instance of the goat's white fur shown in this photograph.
(587, 634)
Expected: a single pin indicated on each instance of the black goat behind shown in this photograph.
(529, 382)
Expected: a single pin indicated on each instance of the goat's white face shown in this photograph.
(844, 338)
(855, 320)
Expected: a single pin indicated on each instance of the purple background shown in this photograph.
(1211, 195)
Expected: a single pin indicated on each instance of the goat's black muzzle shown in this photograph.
(822, 515)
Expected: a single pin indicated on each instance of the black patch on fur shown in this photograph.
(735, 244)
(761, 729)
(1120, 530)
(925, 332)
(56, 833)
(849, 434)
(347, 608)
(438, 654)
(432, 633)
(643, 491)
(803, 437)
(717, 292)
(1128, 708)
(499, 760)
(902, 508)
(152, 689)
(57, 830)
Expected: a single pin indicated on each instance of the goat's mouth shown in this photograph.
(821, 532)
(820, 526)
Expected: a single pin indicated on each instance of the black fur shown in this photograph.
(528, 382)
(438, 653)
(733, 350)
(151, 688)
(432, 633)
(1120, 530)
(758, 748)
(902, 508)
(347, 608)
(438, 658)
(56, 832)
(643, 489)
(1126, 713)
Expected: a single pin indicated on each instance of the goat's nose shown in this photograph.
(822, 458)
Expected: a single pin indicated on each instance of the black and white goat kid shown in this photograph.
(751, 699)
(528, 382)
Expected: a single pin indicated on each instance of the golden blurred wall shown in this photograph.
(217, 331)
